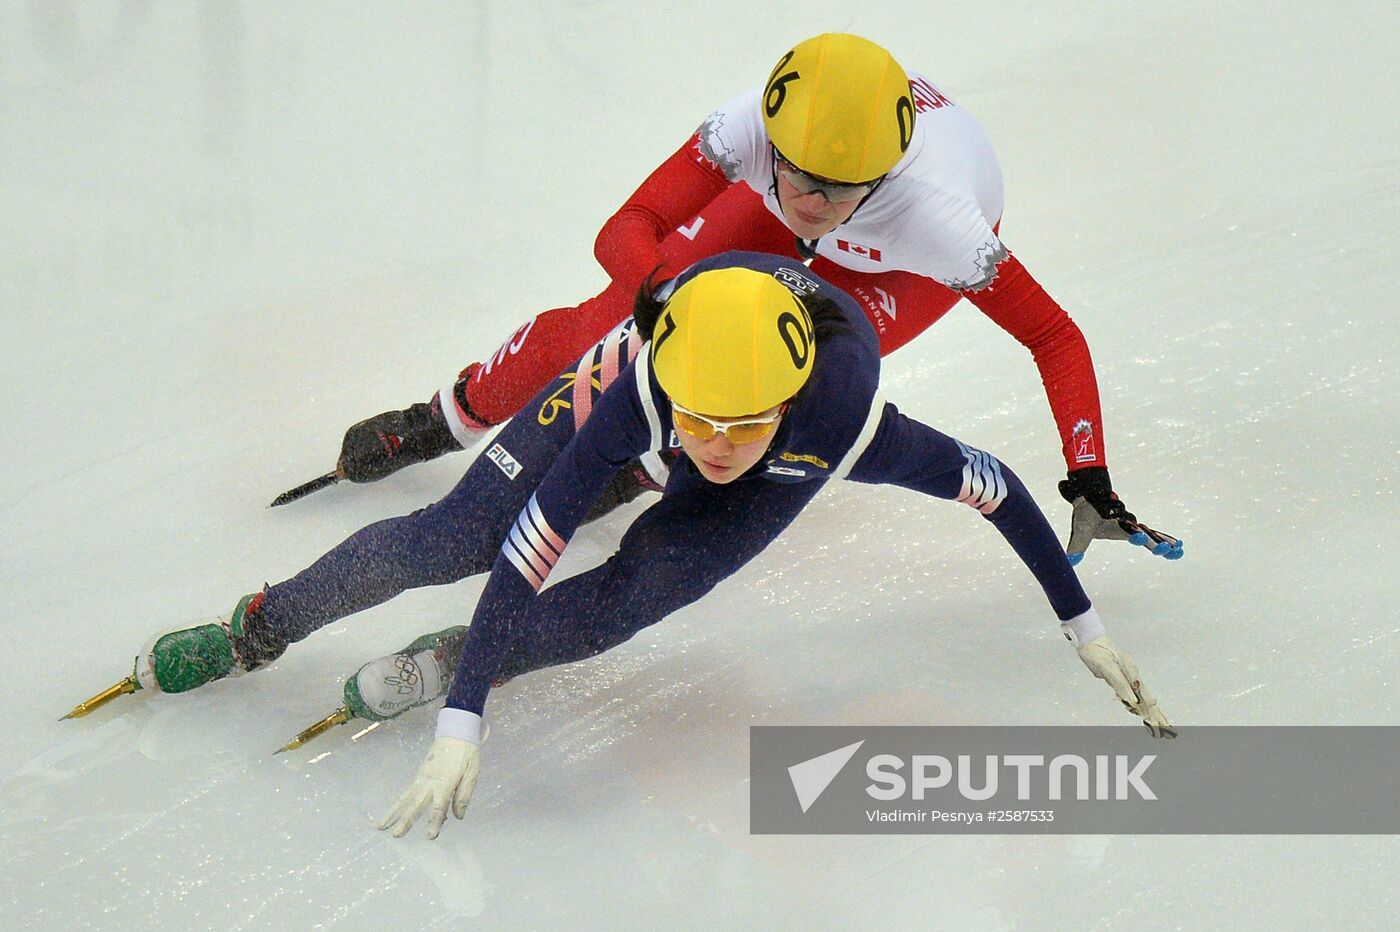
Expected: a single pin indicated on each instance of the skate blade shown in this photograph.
(339, 717)
(306, 488)
(128, 685)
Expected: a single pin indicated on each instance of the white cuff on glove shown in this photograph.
(1083, 628)
(461, 724)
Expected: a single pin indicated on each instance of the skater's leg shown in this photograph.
(449, 540)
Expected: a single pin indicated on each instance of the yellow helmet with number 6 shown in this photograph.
(839, 107)
(732, 342)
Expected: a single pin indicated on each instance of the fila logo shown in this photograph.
(811, 777)
(856, 249)
(498, 455)
(886, 301)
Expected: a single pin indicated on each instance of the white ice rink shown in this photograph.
(230, 229)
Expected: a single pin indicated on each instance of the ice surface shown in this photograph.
(228, 229)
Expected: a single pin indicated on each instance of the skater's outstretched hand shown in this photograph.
(1108, 663)
(1099, 514)
(445, 780)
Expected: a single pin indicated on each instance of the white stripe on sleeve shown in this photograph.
(867, 434)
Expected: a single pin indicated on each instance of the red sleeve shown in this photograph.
(629, 245)
(1021, 307)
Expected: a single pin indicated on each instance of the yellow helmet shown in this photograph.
(839, 106)
(732, 342)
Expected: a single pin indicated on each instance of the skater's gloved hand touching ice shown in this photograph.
(1108, 663)
(1100, 515)
(447, 777)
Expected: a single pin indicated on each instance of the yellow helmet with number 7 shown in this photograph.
(732, 342)
(839, 107)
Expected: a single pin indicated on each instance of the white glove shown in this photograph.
(1108, 663)
(447, 777)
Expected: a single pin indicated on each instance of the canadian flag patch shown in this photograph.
(1083, 441)
(856, 249)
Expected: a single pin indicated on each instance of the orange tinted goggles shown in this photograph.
(737, 430)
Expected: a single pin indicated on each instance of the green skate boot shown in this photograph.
(188, 659)
(386, 688)
(191, 657)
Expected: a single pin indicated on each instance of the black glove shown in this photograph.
(1099, 514)
(382, 445)
(629, 483)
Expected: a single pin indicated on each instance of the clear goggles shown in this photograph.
(738, 430)
(836, 192)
